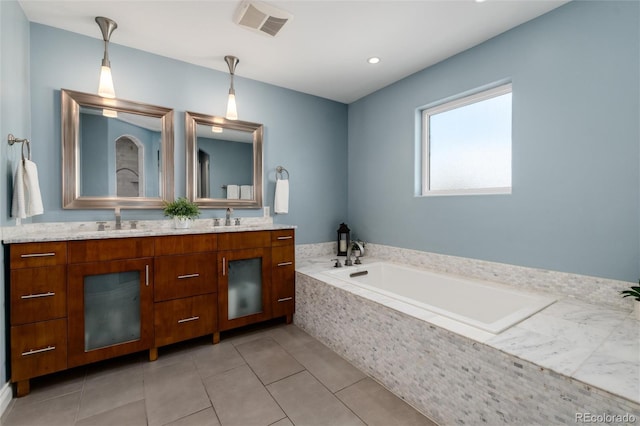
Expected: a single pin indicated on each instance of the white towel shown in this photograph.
(246, 192)
(27, 200)
(232, 192)
(281, 201)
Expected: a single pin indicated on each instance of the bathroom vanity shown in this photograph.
(76, 301)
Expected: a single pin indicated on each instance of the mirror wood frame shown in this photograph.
(71, 101)
(192, 120)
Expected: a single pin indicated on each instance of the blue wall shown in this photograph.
(305, 134)
(14, 118)
(574, 206)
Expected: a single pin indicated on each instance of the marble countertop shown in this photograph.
(596, 345)
(67, 231)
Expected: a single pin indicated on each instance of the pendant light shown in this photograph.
(105, 89)
(232, 110)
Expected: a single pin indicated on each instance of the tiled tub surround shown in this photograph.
(573, 357)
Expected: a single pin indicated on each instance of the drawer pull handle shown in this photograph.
(181, 277)
(285, 263)
(35, 296)
(288, 237)
(285, 299)
(188, 319)
(38, 351)
(37, 255)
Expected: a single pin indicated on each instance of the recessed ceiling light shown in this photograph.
(373, 60)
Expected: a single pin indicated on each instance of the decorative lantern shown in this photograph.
(344, 239)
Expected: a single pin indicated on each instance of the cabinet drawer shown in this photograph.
(186, 318)
(283, 280)
(186, 275)
(110, 249)
(283, 256)
(244, 240)
(38, 348)
(183, 244)
(38, 294)
(34, 255)
(282, 237)
(284, 297)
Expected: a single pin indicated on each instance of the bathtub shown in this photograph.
(484, 305)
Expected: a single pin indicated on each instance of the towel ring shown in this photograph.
(12, 139)
(28, 145)
(280, 173)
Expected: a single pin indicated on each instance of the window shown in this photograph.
(466, 145)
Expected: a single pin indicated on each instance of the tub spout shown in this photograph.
(349, 262)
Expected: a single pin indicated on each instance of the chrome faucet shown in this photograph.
(227, 221)
(359, 246)
(349, 262)
(118, 219)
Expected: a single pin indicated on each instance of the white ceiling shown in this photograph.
(322, 51)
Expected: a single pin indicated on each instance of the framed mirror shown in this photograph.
(115, 153)
(224, 161)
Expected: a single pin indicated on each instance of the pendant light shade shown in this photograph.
(105, 88)
(232, 109)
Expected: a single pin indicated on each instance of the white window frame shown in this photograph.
(426, 155)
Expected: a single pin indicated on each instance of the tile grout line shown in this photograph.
(318, 380)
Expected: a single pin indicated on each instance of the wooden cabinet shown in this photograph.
(81, 301)
(185, 289)
(283, 274)
(37, 311)
(110, 298)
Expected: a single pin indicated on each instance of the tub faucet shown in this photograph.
(118, 218)
(227, 221)
(349, 262)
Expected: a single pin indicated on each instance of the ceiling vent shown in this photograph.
(262, 17)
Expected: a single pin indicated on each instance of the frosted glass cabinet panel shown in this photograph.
(111, 309)
(245, 287)
(244, 282)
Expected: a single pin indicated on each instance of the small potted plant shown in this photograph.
(635, 293)
(182, 211)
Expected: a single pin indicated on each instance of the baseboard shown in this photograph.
(6, 393)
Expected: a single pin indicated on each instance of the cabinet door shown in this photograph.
(110, 309)
(244, 287)
(283, 280)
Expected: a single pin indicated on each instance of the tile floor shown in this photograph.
(277, 375)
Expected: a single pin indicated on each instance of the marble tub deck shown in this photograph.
(598, 346)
